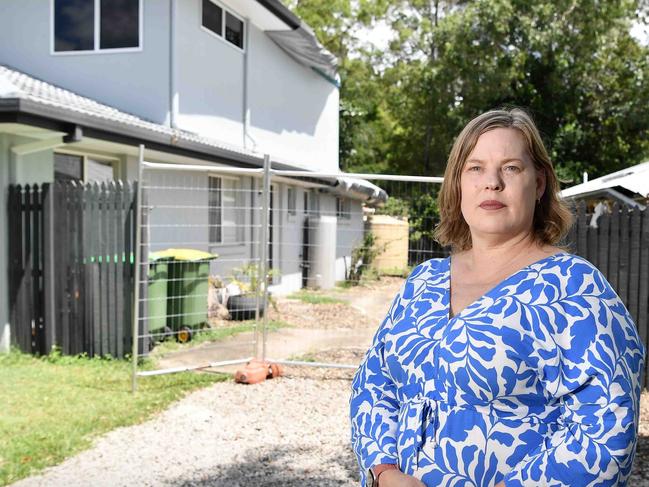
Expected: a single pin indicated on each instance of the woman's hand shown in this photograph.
(396, 478)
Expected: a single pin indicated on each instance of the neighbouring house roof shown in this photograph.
(634, 179)
(25, 99)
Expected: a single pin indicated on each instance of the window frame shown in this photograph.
(291, 212)
(114, 162)
(343, 208)
(219, 228)
(97, 34)
(225, 10)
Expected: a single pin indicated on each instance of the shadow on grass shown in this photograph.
(280, 467)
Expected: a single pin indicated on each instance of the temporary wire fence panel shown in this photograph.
(321, 241)
(200, 232)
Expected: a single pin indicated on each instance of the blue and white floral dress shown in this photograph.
(535, 383)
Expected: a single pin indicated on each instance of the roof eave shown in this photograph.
(282, 12)
(20, 110)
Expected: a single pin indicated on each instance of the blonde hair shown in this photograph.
(552, 217)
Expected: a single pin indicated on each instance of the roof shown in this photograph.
(301, 43)
(21, 94)
(634, 179)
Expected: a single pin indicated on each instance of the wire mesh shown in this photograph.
(334, 256)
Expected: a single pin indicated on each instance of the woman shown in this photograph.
(512, 362)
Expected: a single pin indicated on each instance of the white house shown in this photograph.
(219, 82)
(629, 186)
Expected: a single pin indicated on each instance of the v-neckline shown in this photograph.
(490, 291)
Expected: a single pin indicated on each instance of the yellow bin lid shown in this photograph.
(182, 254)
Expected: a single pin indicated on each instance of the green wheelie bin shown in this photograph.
(188, 272)
(158, 278)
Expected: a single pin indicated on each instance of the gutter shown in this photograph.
(281, 12)
(27, 112)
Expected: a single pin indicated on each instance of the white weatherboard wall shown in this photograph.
(134, 82)
(209, 71)
(293, 109)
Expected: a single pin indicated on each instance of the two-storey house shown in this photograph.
(198, 82)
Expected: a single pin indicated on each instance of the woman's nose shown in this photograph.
(493, 181)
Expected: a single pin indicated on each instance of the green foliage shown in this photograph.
(574, 65)
(52, 407)
(363, 255)
(314, 297)
(211, 335)
(246, 278)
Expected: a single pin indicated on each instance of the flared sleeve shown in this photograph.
(589, 360)
(374, 406)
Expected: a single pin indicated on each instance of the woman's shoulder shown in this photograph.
(430, 268)
(576, 275)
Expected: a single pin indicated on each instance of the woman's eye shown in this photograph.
(473, 168)
(512, 168)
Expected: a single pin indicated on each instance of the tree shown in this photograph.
(574, 64)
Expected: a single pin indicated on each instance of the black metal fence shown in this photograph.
(618, 244)
(71, 267)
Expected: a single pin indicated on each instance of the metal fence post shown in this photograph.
(136, 289)
(263, 255)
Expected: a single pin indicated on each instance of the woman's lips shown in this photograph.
(491, 205)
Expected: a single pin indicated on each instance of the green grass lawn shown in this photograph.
(314, 297)
(52, 407)
(214, 334)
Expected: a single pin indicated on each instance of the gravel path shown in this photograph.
(286, 432)
(291, 432)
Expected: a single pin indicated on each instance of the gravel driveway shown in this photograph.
(292, 431)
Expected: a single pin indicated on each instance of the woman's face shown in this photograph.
(500, 185)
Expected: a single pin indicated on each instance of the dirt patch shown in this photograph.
(315, 329)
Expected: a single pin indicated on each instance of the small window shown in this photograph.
(98, 171)
(343, 208)
(223, 23)
(212, 17)
(233, 30)
(215, 211)
(95, 25)
(68, 167)
(291, 201)
(119, 27)
(314, 203)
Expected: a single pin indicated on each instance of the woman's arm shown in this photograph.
(590, 359)
(374, 406)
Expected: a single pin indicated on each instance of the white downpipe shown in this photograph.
(173, 92)
(246, 69)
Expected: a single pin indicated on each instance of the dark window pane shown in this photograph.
(67, 167)
(74, 25)
(212, 17)
(119, 24)
(233, 30)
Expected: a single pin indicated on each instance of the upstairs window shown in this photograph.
(96, 25)
(223, 23)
